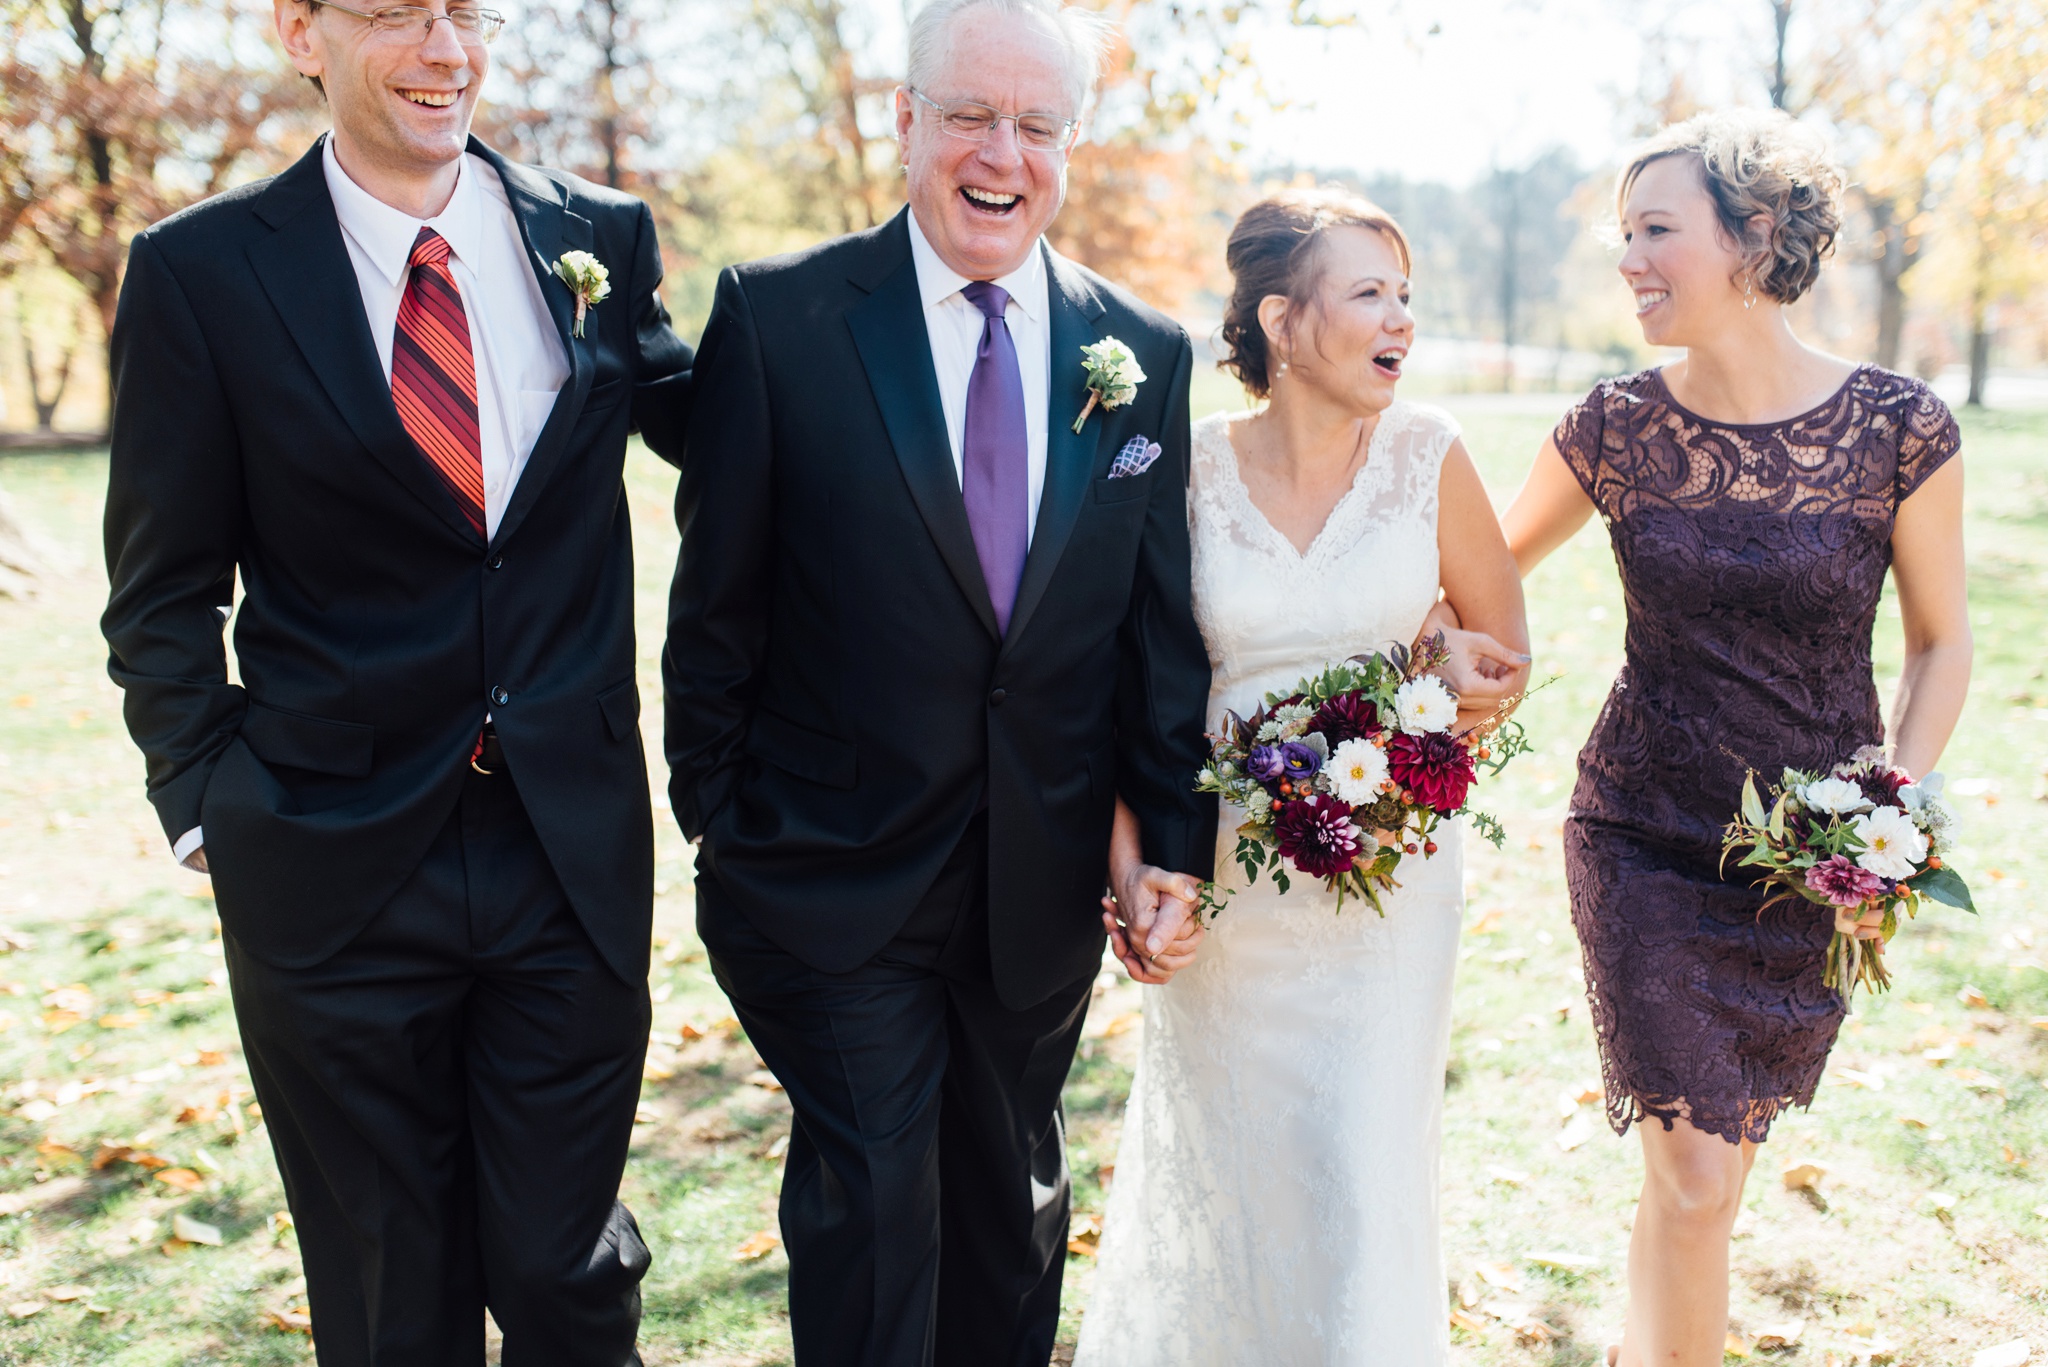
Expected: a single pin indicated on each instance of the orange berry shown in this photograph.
(1429, 847)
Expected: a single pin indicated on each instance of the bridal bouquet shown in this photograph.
(1862, 837)
(1351, 772)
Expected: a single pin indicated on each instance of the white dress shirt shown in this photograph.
(953, 325)
(520, 362)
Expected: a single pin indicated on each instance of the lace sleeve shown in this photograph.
(1928, 437)
(1578, 436)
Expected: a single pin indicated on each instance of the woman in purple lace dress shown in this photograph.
(1756, 493)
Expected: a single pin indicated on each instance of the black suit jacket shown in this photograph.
(254, 434)
(838, 698)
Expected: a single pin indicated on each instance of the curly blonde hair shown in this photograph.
(1276, 248)
(1758, 163)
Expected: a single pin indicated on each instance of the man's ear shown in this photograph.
(906, 112)
(295, 30)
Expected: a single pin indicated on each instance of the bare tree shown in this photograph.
(1781, 20)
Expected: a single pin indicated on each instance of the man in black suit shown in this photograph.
(929, 622)
(363, 388)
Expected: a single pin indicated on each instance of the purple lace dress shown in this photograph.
(1751, 560)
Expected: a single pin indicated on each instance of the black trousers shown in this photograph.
(450, 1098)
(925, 1202)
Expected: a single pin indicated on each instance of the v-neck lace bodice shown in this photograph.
(1271, 612)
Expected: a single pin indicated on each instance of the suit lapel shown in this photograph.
(1069, 458)
(547, 229)
(304, 267)
(889, 332)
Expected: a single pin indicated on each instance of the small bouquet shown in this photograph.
(1351, 773)
(1862, 837)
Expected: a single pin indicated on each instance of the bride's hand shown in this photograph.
(1150, 919)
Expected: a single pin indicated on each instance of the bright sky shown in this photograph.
(1497, 82)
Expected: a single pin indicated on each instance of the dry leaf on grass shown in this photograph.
(68, 1293)
(1779, 1336)
(1501, 1276)
(1084, 1235)
(1563, 1262)
(2015, 1354)
(124, 1020)
(1913, 1122)
(757, 1247)
(1507, 1177)
(764, 1079)
(1855, 1077)
(1574, 1134)
(1461, 1320)
(181, 1179)
(1738, 1345)
(290, 1321)
(191, 1231)
(1804, 1176)
(21, 1310)
(1972, 996)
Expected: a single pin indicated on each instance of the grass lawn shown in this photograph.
(129, 1144)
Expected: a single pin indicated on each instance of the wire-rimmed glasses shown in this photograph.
(472, 26)
(974, 122)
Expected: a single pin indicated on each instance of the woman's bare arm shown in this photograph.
(1480, 582)
(1934, 606)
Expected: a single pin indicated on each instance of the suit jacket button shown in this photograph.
(497, 562)
(995, 699)
(499, 696)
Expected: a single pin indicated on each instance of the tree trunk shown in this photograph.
(1781, 15)
(1980, 356)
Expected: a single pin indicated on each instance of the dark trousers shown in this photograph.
(925, 1202)
(450, 1098)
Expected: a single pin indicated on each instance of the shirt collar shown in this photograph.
(386, 234)
(937, 282)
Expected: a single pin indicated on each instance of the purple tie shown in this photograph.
(995, 455)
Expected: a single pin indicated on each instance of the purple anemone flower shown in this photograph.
(1302, 761)
(1265, 764)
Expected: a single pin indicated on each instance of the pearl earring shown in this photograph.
(1282, 370)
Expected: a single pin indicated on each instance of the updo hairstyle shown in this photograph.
(1276, 248)
(1758, 162)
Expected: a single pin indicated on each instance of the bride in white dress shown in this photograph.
(1275, 1195)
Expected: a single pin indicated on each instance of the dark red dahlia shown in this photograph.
(1348, 716)
(1318, 836)
(1436, 768)
(1882, 786)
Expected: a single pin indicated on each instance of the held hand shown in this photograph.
(1151, 922)
(1480, 670)
(196, 861)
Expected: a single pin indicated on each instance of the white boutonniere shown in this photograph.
(1113, 376)
(587, 276)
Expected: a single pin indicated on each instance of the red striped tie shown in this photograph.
(433, 375)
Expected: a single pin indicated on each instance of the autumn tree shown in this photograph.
(111, 124)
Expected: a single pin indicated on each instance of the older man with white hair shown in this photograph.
(931, 619)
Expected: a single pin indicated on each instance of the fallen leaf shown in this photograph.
(1487, 923)
(757, 1247)
(37, 1111)
(198, 1115)
(728, 1027)
(1574, 1134)
(653, 1070)
(778, 1148)
(68, 1293)
(1084, 1235)
(1919, 1008)
(1852, 1077)
(211, 1058)
(1914, 1121)
(2014, 1354)
(1461, 1320)
(76, 999)
(1507, 1177)
(1589, 1091)
(280, 1222)
(21, 1310)
(55, 1155)
(182, 1179)
(290, 1321)
(643, 1116)
(1567, 1105)
(150, 996)
(1942, 1201)
(1971, 996)
(1804, 1176)
(1941, 1053)
(1469, 1293)
(1501, 1276)
(1780, 1336)
(2038, 1022)
(1128, 1021)
(1562, 1262)
(126, 1020)
(2011, 1155)
(57, 1022)
(764, 1079)
(1738, 1346)
(193, 1231)
(690, 1032)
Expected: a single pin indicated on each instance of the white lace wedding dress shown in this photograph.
(1275, 1195)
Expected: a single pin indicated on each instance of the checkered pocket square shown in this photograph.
(1135, 459)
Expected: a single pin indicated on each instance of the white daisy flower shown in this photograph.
(1425, 705)
(1356, 770)
(1834, 795)
(1892, 844)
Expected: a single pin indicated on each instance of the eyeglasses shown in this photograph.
(472, 26)
(977, 123)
